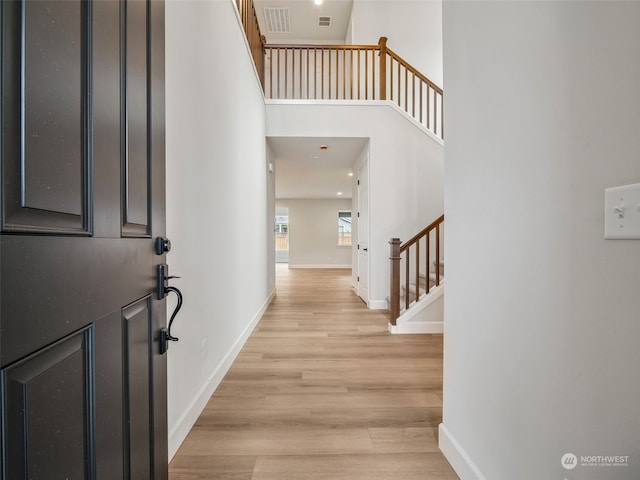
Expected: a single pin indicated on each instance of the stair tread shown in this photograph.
(433, 274)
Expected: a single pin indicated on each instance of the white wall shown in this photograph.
(413, 27)
(405, 169)
(270, 210)
(542, 314)
(313, 233)
(219, 200)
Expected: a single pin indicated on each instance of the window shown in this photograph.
(344, 227)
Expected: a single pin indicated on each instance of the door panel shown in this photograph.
(48, 404)
(109, 364)
(45, 110)
(136, 185)
(54, 98)
(137, 353)
(107, 119)
(82, 153)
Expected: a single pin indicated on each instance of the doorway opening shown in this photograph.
(282, 234)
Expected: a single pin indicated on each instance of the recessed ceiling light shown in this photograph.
(339, 193)
(323, 147)
(350, 174)
(317, 2)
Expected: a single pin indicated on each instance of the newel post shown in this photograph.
(382, 43)
(394, 297)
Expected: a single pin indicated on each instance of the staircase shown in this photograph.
(417, 284)
(422, 287)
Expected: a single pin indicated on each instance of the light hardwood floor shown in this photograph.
(321, 391)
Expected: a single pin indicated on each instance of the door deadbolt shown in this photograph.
(163, 245)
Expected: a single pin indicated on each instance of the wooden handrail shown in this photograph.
(413, 70)
(400, 251)
(418, 236)
(320, 46)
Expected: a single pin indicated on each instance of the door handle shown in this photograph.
(365, 249)
(163, 290)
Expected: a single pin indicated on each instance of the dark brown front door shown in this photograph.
(82, 151)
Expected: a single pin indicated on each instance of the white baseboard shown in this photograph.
(457, 456)
(417, 328)
(340, 265)
(187, 420)
(378, 305)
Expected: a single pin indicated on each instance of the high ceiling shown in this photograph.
(304, 170)
(303, 16)
(298, 174)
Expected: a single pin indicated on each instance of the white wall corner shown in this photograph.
(378, 305)
(187, 420)
(457, 456)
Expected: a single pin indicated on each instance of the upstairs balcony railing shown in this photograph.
(342, 72)
(352, 72)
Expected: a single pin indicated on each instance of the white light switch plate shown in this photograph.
(622, 212)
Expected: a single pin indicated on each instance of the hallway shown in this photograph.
(322, 391)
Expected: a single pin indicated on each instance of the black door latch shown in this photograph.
(163, 290)
(163, 245)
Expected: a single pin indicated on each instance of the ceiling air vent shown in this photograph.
(278, 20)
(324, 21)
